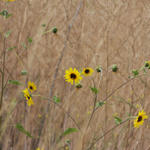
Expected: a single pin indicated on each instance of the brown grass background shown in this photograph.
(90, 33)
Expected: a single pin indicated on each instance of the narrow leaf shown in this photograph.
(99, 104)
(11, 48)
(24, 72)
(117, 120)
(21, 129)
(16, 82)
(67, 131)
(94, 90)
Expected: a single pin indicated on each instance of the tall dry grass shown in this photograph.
(90, 33)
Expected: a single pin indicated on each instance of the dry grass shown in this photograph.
(90, 33)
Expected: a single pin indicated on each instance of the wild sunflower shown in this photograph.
(29, 100)
(31, 86)
(73, 76)
(140, 119)
(25, 91)
(87, 71)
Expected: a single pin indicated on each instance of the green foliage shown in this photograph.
(15, 82)
(21, 129)
(114, 68)
(24, 72)
(56, 99)
(67, 131)
(117, 120)
(43, 25)
(7, 34)
(11, 48)
(99, 104)
(135, 72)
(30, 40)
(5, 14)
(94, 90)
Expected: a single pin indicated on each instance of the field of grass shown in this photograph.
(108, 109)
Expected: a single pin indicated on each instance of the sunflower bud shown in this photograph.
(54, 30)
(99, 69)
(147, 63)
(78, 86)
(114, 68)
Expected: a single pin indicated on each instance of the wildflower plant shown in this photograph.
(87, 71)
(140, 119)
(27, 93)
(73, 76)
(31, 86)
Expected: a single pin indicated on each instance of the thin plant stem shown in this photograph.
(2, 84)
(67, 113)
(107, 132)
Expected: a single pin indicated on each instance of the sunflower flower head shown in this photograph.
(29, 100)
(31, 86)
(72, 76)
(140, 119)
(25, 91)
(87, 71)
(28, 97)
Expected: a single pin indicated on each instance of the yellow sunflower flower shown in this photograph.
(140, 119)
(31, 86)
(25, 91)
(29, 100)
(87, 71)
(73, 76)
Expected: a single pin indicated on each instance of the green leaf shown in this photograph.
(16, 82)
(11, 48)
(5, 14)
(117, 120)
(56, 99)
(135, 72)
(99, 104)
(21, 129)
(24, 72)
(30, 40)
(7, 34)
(8, 16)
(68, 131)
(94, 90)
(43, 25)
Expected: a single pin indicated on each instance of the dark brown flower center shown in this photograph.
(87, 71)
(28, 97)
(73, 76)
(31, 87)
(139, 118)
